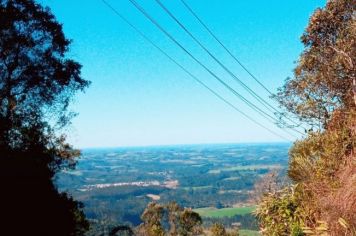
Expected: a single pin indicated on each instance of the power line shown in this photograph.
(257, 109)
(246, 101)
(256, 96)
(235, 58)
(187, 72)
(226, 49)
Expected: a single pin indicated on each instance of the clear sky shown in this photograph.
(138, 97)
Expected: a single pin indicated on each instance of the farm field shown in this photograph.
(247, 232)
(116, 184)
(224, 212)
(246, 167)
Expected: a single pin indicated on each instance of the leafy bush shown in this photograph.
(279, 213)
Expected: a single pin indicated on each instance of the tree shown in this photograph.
(267, 183)
(152, 217)
(322, 166)
(121, 230)
(37, 83)
(157, 217)
(218, 230)
(325, 73)
(190, 223)
(173, 210)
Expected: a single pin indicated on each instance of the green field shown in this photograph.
(224, 212)
(247, 167)
(197, 187)
(247, 232)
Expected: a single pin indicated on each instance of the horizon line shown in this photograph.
(184, 144)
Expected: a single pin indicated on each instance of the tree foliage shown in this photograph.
(218, 230)
(180, 221)
(37, 83)
(322, 94)
(173, 220)
(278, 213)
(326, 69)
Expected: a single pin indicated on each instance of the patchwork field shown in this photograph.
(224, 212)
(247, 167)
(116, 184)
(247, 232)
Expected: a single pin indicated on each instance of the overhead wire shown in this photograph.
(226, 49)
(237, 94)
(256, 96)
(123, 18)
(253, 93)
(235, 58)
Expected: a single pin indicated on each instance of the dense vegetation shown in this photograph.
(37, 82)
(172, 219)
(322, 199)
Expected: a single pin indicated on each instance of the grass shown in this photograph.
(197, 187)
(247, 232)
(224, 212)
(247, 167)
(232, 178)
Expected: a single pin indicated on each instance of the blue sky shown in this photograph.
(138, 97)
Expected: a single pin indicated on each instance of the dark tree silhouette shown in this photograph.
(121, 230)
(37, 83)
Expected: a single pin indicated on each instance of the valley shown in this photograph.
(116, 184)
